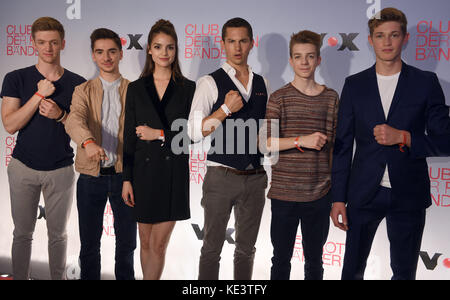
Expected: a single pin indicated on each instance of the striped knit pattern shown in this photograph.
(297, 176)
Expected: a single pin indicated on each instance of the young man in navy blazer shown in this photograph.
(386, 109)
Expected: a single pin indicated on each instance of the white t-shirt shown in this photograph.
(387, 86)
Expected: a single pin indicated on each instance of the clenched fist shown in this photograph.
(387, 135)
(313, 141)
(45, 88)
(233, 101)
(95, 152)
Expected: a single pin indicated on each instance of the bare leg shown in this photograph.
(154, 240)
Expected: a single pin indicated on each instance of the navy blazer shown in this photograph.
(419, 107)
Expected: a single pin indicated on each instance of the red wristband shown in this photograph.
(87, 143)
(161, 136)
(297, 144)
(39, 95)
(401, 145)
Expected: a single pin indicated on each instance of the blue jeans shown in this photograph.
(92, 195)
(315, 222)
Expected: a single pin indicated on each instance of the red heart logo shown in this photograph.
(332, 41)
(447, 263)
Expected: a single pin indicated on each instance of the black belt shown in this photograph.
(108, 171)
(259, 170)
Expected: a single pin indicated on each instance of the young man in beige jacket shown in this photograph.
(96, 123)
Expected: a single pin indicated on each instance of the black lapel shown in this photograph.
(401, 85)
(160, 105)
(373, 95)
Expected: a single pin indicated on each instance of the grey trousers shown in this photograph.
(25, 186)
(223, 191)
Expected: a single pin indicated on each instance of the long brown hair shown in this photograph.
(166, 27)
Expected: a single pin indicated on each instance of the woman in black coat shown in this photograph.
(156, 176)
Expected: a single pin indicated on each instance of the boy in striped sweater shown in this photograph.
(306, 114)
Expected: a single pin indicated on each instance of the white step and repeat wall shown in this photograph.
(345, 51)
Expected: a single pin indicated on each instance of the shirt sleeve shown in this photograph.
(205, 96)
(436, 141)
(335, 118)
(11, 86)
(76, 123)
(343, 146)
(129, 135)
(273, 115)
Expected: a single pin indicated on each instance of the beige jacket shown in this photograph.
(85, 122)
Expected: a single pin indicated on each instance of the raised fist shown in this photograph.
(45, 88)
(233, 101)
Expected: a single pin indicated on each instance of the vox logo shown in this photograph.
(132, 40)
(200, 233)
(432, 262)
(347, 41)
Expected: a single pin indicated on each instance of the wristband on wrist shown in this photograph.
(297, 144)
(225, 109)
(83, 145)
(39, 95)
(61, 116)
(161, 135)
(401, 145)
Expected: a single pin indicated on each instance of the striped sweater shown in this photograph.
(306, 176)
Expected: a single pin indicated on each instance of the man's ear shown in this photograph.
(406, 39)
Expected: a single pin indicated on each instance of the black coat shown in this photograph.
(160, 177)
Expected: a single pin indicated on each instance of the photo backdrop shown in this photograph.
(345, 51)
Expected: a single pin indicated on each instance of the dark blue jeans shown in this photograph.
(315, 222)
(92, 195)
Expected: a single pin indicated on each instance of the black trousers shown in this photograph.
(404, 229)
(315, 222)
